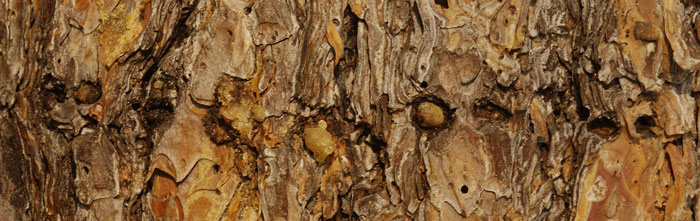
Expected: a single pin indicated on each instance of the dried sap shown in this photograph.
(429, 115)
(319, 141)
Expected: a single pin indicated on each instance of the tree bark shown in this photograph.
(349, 110)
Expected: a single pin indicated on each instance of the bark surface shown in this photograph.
(349, 110)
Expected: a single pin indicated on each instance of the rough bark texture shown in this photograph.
(349, 109)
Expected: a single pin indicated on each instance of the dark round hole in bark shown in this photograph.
(583, 112)
(644, 123)
(86, 170)
(423, 84)
(489, 110)
(464, 189)
(442, 3)
(603, 126)
(216, 168)
(541, 143)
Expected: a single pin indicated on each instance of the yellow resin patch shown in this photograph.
(118, 30)
(430, 115)
(319, 141)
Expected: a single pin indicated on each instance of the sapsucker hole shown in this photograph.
(603, 126)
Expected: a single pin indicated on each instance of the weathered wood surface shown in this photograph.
(350, 109)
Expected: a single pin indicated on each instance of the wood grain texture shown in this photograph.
(349, 110)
